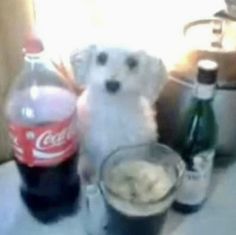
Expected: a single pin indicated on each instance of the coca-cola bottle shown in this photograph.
(41, 114)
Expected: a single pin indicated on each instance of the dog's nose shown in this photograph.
(112, 86)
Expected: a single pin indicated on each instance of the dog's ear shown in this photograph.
(155, 78)
(81, 62)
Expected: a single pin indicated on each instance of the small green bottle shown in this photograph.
(197, 141)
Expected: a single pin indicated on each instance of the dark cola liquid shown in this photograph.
(121, 224)
(51, 192)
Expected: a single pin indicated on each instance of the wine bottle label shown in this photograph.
(44, 145)
(204, 91)
(195, 185)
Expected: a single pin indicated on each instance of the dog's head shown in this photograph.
(118, 71)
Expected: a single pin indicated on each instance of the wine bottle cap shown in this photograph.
(207, 71)
(33, 44)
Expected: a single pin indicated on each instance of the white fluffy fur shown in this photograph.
(111, 120)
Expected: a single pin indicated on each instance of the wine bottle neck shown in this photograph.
(204, 91)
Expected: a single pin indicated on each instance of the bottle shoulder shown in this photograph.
(40, 104)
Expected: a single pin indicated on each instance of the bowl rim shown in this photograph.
(180, 169)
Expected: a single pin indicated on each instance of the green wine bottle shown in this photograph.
(197, 141)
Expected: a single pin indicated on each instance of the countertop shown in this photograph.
(217, 217)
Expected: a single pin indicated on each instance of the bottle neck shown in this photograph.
(35, 61)
(35, 65)
(34, 57)
(204, 91)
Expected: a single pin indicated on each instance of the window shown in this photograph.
(153, 25)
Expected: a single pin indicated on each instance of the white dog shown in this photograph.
(116, 108)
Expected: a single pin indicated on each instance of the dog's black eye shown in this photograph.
(132, 62)
(102, 58)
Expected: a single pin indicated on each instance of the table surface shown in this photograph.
(217, 217)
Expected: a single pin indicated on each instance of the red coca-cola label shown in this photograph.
(44, 145)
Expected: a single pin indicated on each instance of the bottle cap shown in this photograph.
(33, 44)
(207, 71)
